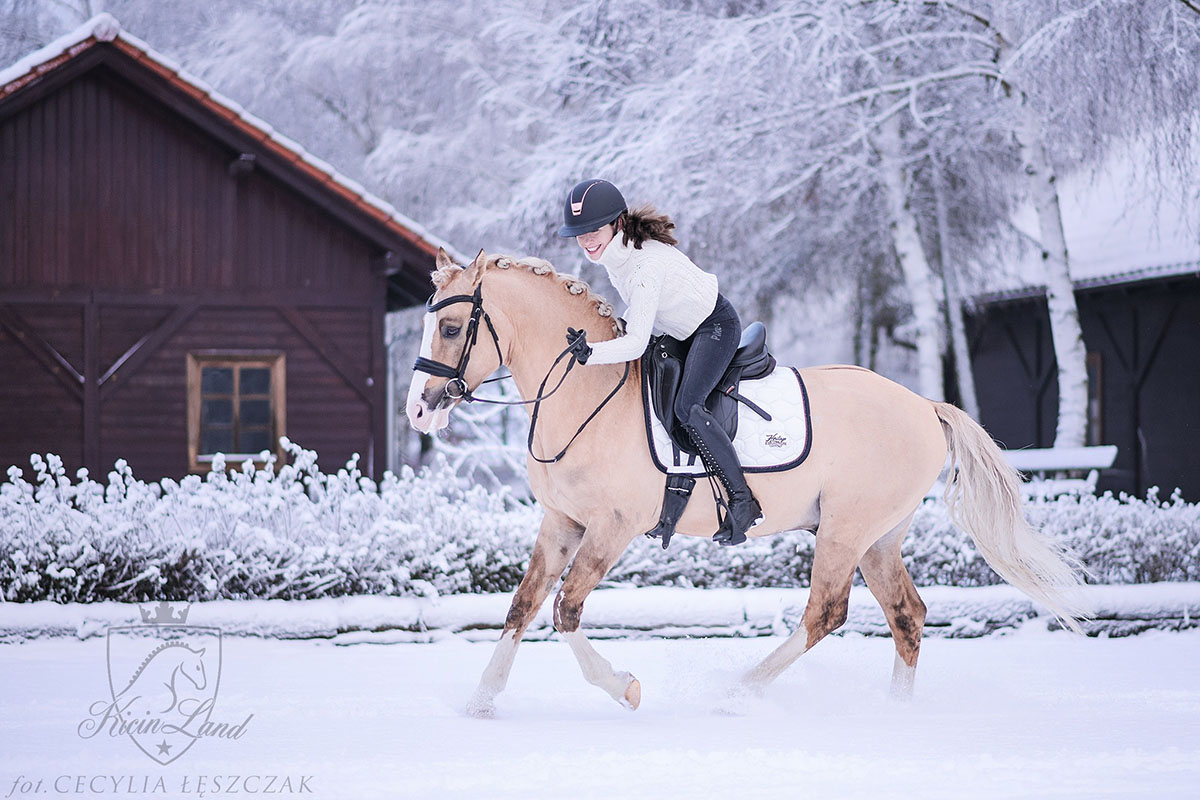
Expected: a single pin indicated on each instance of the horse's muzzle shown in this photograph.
(430, 411)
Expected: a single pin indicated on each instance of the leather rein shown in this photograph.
(457, 374)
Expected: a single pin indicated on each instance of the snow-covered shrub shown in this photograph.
(288, 533)
(1121, 539)
(294, 532)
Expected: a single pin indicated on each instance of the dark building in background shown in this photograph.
(176, 279)
(1142, 334)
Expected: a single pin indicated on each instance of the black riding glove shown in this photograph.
(577, 341)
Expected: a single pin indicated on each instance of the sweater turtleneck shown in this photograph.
(664, 293)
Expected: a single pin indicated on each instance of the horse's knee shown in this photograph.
(907, 621)
(566, 613)
(825, 616)
(520, 613)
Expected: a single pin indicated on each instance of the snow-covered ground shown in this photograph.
(659, 611)
(1031, 713)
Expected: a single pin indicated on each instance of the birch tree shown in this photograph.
(976, 42)
(918, 275)
(1030, 54)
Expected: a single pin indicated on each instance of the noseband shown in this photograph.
(457, 374)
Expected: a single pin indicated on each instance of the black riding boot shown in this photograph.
(720, 459)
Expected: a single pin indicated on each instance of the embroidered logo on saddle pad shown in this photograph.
(762, 446)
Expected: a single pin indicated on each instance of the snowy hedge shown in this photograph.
(294, 532)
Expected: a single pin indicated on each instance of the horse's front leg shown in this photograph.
(557, 541)
(601, 548)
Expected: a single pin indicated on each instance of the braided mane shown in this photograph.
(541, 267)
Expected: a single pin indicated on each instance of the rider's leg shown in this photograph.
(720, 459)
(712, 348)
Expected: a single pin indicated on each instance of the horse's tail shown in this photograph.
(983, 496)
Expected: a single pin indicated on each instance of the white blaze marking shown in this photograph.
(430, 420)
(421, 378)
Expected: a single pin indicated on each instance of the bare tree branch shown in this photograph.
(971, 13)
(966, 70)
(929, 36)
(1054, 26)
(861, 136)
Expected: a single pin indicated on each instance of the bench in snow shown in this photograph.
(1062, 470)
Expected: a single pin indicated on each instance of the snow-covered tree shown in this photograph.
(1025, 57)
(803, 146)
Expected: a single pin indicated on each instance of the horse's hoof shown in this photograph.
(481, 707)
(737, 700)
(633, 694)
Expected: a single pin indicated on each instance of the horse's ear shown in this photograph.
(443, 259)
(475, 271)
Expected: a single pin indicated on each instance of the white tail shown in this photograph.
(983, 495)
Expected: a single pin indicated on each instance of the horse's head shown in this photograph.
(459, 346)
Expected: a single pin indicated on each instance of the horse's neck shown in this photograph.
(540, 321)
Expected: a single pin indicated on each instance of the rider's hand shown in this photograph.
(577, 342)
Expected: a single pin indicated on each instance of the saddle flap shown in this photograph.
(663, 364)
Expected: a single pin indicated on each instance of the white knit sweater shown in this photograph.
(664, 291)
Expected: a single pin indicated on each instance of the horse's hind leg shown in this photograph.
(601, 548)
(889, 581)
(828, 603)
(557, 541)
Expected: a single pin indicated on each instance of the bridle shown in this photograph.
(457, 374)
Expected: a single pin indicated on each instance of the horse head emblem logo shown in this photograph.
(163, 677)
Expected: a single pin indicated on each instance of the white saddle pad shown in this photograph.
(762, 446)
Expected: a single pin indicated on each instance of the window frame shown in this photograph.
(197, 360)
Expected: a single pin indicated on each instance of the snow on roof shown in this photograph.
(1157, 272)
(105, 28)
(1119, 229)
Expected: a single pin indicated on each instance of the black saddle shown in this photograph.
(663, 365)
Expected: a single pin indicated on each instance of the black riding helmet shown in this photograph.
(590, 205)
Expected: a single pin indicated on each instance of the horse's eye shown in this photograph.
(450, 331)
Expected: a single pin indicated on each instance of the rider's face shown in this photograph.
(594, 243)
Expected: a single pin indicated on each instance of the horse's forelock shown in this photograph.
(443, 275)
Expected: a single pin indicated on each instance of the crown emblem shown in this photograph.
(164, 614)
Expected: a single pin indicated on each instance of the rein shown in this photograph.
(457, 374)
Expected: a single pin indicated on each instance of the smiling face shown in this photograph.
(595, 243)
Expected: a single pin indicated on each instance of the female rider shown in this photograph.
(664, 291)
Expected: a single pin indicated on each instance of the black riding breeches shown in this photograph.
(712, 347)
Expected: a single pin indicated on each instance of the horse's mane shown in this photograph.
(540, 266)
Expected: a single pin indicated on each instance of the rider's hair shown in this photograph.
(644, 222)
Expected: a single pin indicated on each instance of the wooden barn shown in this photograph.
(177, 279)
(1142, 334)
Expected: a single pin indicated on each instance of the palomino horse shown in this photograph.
(877, 448)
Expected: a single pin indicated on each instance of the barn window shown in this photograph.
(235, 406)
